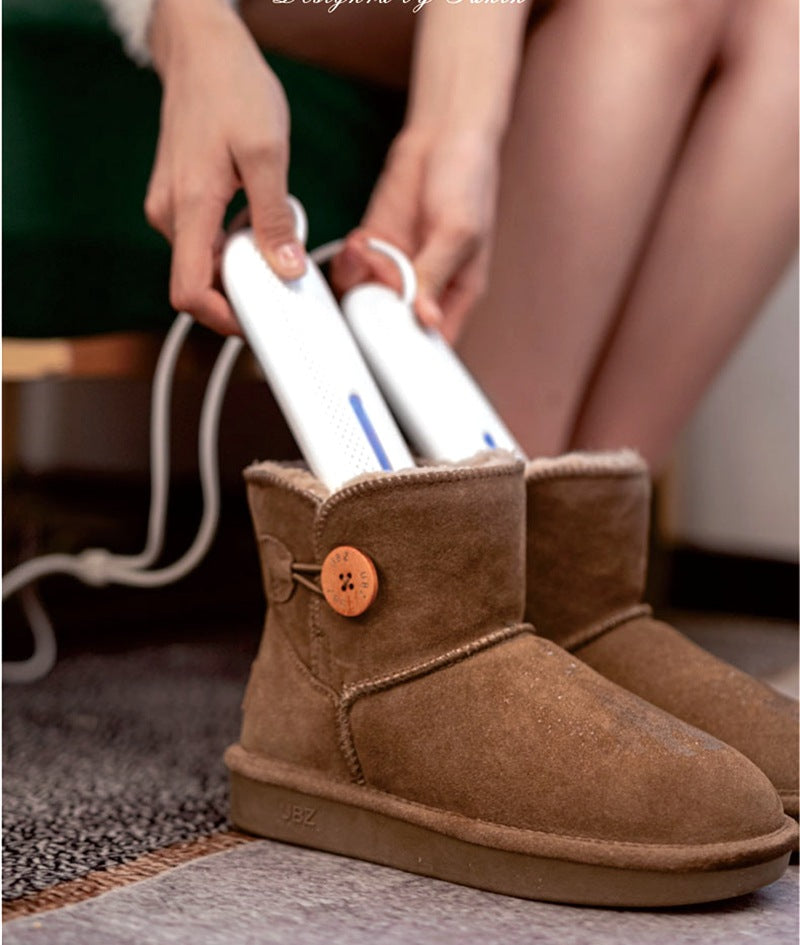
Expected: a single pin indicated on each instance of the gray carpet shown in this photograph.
(115, 755)
(265, 892)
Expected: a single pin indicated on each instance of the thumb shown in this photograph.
(272, 218)
(273, 228)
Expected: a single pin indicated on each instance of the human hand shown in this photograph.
(224, 126)
(435, 200)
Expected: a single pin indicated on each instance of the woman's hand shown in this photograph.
(435, 200)
(437, 194)
(224, 125)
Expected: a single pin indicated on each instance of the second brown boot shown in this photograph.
(587, 539)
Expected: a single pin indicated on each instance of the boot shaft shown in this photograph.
(446, 543)
(587, 533)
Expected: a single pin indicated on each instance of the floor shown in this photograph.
(113, 785)
(267, 892)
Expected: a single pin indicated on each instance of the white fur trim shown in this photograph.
(131, 19)
(611, 462)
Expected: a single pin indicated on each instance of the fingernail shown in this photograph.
(291, 259)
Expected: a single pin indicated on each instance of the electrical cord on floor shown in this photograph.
(98, 566)
(76, 565)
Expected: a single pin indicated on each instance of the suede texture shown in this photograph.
(583, 563)
(436, 591)
(438, 703)
(586, 546)
(448, 547)
(283, 517)
(288, 713)
(525, 735)
(733, 706)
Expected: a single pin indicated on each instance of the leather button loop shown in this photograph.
(349, 581)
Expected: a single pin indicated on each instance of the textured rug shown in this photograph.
(262, 892)
(116, 755)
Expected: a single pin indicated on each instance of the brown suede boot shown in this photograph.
(399, 712)
(588, 520)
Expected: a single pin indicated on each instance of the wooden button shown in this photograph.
(349, 581)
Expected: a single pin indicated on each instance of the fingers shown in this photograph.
(450, 247)
(192, 222)
(157, 201)
(357, 263)
(349, 268)
(224, 125)
(368, 264)
(461, 295)
(196, 240)
(263, 172)
(451, 270)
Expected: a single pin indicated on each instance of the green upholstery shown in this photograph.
(79, 126)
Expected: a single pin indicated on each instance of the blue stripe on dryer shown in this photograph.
(369, 431)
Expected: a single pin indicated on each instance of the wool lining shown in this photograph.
(609, 462)
(304, 480)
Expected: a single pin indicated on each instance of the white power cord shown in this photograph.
(44, 643)
(98, 566)
(75, 565)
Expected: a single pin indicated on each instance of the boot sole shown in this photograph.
(311, 820)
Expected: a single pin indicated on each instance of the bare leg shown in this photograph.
(728, 226)
(604, 97)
